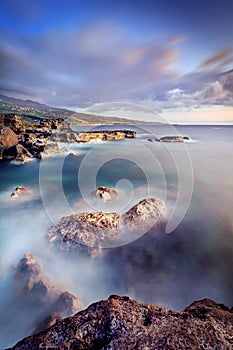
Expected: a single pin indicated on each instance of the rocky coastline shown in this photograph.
(123, 323)
(22, 142)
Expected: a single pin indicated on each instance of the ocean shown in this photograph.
(190, 255)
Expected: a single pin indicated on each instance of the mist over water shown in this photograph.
(192, 262)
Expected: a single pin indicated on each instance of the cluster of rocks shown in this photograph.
(105, 135)
(19, 191)
(20, 141)
(170, 139)
(90, 232)
(122, 323)
(37, 293)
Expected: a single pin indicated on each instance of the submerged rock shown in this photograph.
(20, 190)
(122, 323)
(89, 232)
(106, 194)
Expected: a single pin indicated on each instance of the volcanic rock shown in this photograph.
(105, 193)
(122, 323)
(89, 232)
(7, 137)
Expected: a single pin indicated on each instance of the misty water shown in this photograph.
(173, 265)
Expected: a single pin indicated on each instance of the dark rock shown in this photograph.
(170, 139)
(16, 152)
(20, 190)
(7, 137)
(122, 323)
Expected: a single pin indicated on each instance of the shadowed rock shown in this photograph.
(122, 323)
(106, 194)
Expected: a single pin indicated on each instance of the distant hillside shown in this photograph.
(31, 110)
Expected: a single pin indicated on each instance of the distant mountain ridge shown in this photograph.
(33, 109)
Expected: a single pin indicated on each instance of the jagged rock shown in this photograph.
(88, 232)
(12, 121)
(122, 323)
(105, 193)
(66, 305)
(50, 149)
(30, 281)
(85, 232)
(143, 214)
(17, 151)
(7, 137)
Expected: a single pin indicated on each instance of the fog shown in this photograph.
(194, 261)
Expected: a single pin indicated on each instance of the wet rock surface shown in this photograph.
(89, 232)
(122, 323)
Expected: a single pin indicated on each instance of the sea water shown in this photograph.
(189, 259)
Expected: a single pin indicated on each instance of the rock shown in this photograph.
(66, 305)
(51, 148)
(89, 232)
(85, 233)
(12, 121)
(31, 282)
(17, 151)
(20, 190)
(122, 323)
(105, 135)
(7, 137)
(170, 139)
(105, 193)
(143, 214)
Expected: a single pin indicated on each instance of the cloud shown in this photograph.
(96, 63)
(220, 59)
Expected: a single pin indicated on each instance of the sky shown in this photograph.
(173, 58)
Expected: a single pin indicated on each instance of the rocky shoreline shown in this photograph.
(21, 142)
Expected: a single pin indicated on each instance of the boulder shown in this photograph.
(7, 137)
(106, 194)
(123, 323)
(89, 232)
(17, 151)
(13, 121)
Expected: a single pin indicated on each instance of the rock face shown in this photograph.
(106, 194)
(105, 135)
(7, 137)
(122, 323)
(89, 232)
(13, 122)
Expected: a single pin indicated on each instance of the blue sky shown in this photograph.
(174, 57)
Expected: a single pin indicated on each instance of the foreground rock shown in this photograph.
(122, 323)
(7, 137)
(89, 232)
(106, 194)
(170, 139)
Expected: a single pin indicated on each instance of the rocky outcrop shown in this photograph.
(36, 292)
(13, 121)
(106, 194)
(170, 139)
(105, 135)
(89, 232)
(7, 137)
(122, 323)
